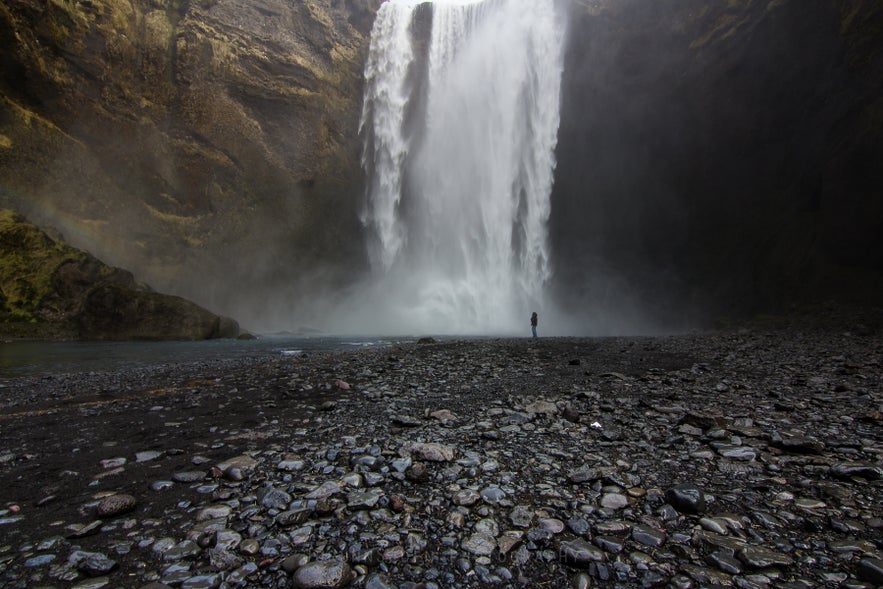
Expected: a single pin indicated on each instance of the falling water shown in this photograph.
(460, 122)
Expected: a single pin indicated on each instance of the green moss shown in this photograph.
(29, 260)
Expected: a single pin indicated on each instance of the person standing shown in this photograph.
(533, 323)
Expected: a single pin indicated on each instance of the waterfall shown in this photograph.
(460, 123)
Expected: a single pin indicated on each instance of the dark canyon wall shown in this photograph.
(210, 146)
(712, 156)
(720, 156)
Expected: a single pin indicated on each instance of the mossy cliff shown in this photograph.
(51, 290)
(202, 143)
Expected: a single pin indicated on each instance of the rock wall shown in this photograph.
(713, 156)
(204, 144)
(720, 156)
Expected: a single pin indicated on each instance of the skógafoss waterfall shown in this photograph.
(460, 123)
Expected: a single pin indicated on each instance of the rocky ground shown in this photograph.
(750, 457)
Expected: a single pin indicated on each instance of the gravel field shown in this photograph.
(746, 457)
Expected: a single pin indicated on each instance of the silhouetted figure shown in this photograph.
(533, 323)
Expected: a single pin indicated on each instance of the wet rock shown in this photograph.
(276, 499)
(686, 498)
(580, 553)
(466, 497)
(648, 536)
(480, 544)
(871, 472)
(326, 574)
(93, 564)
(871, 570)
(759, 557)
(237, 466)
(147, 455)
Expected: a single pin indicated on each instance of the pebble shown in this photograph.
(116, 505)
(326, 574)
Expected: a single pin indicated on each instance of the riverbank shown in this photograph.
(750, 457)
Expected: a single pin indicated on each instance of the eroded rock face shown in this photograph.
(165, 136)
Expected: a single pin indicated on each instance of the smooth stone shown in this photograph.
(324, 491)
(493, 495)
(871, 570)
(614, 501)
(276, 499)
(479, 544)
(725, 562)
(609, 544)
(521, 516)
(83, 530)
(227, 539)
(38, 561)
(759, 557)
(214, 512)
(115, 505)
(184, 549)
(644, 534)
(746, 453)
(580, 553)
(378, 581)
(202, 582)
(466, 497)
(161, 485)
(714, 525)
(581, 580)
(242, 462)
(487, 526)
(612, 527)
(93, 564)
(869, 471)
(393, 553)
(240, 576)
(147, 456)
(163, 545)
(542, 407)
(110, 463)
(552, 525)
(189, 476)
(325, 574)
(364, 499)
(509, 540)
(433, 452)
(294, 517)
(686, 498)
(291, 465)
(579, 526)
(294, 562)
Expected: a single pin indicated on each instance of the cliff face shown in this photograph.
(712, 155)
(720, 155)
(202, 143)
